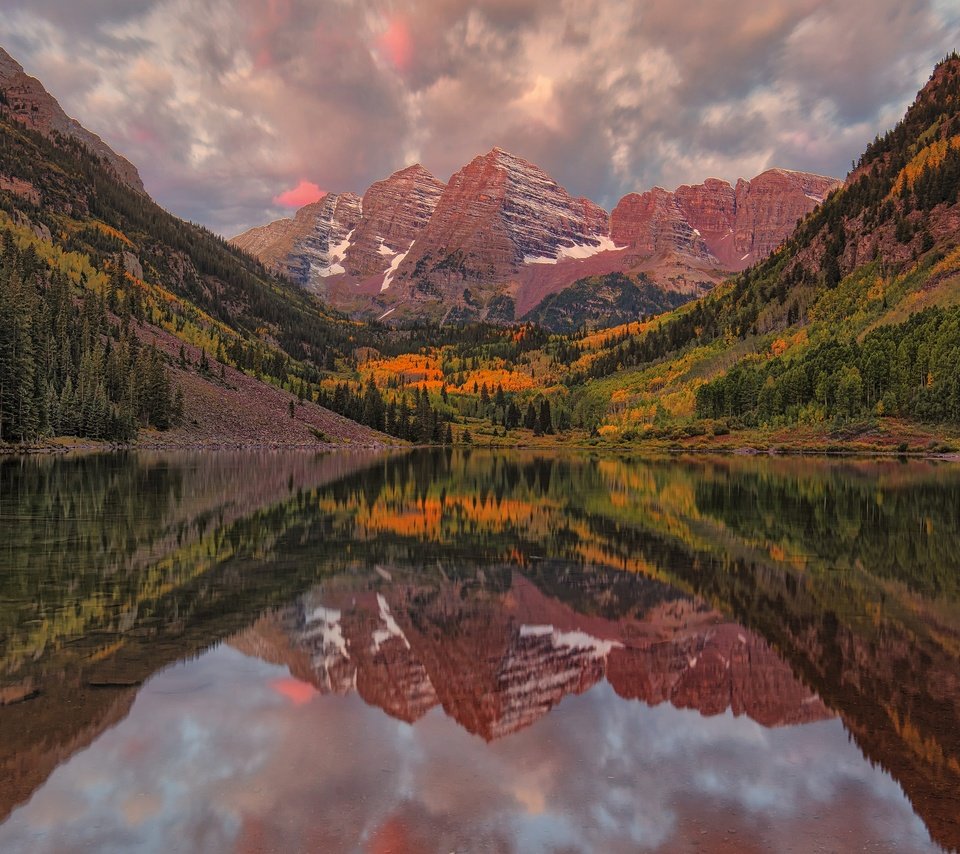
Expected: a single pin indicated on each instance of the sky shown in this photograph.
(238, 111)
(226, 754)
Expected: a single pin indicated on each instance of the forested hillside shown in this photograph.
(65, 369)
(851, 328)
(109, 299)
(853, 318)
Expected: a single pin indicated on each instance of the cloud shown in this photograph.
(395, 44)
(212, 758)
(296, 691)
(227, 104)
(304, 193)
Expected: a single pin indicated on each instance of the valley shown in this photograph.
(697, 318)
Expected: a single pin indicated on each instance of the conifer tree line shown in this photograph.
(69, 368)
(412, 418)
(911, 370)
(501, 409)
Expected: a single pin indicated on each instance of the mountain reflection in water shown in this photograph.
(477, 651)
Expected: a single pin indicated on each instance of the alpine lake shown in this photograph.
(468, 650)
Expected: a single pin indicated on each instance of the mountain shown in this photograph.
(722, 226)
(850, 326)
(28, 102)
(309, 245)
(346, 236)
(395, 212)
(514, 656)
(502, 236)
(497, 214)
(119, 316)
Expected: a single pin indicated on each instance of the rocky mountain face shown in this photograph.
(346, 236)
(514, 657)
(497, 214)
(718, 224)
(310, 246)
(28, 102)
(503, 236)
(395, 211)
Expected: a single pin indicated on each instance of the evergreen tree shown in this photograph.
(530, 420)
(544, 419)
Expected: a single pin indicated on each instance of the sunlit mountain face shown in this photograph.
(472, 651)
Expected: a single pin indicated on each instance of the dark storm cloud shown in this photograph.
(226, 104)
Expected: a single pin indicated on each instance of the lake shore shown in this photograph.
(737, 445)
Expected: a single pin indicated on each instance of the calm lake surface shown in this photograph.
(470, 651)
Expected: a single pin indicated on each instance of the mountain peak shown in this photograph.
(945, 73)
(29, 103)
(8, 66)
(716, 223)
(506, 158)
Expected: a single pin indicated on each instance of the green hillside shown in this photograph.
(849, 332)
(114, 308)
(853, 321)
(603, 301)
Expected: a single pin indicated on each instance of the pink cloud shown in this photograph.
(396, 45)
(304, 193)
(297, 692)
(268, 18)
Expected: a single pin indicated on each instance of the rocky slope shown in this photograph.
(310, 246)
(344, 236)
(716, 224)
(29, 103)
(395, 211)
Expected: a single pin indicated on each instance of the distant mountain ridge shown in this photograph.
(730, 226)
(502, 236)
(512, 658)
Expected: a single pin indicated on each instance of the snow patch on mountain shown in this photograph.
(573, 640)
(338, 253)
(577, 251)
(391, 630)
(392, 269)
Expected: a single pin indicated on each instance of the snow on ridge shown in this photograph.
(330, 631)
(394, 266)
(588, 250)
(386, 314)
(574, 639)
(576, 252)
(323, 615)
(337, 254)
(535, 631)
(392, 630)
(581, 640)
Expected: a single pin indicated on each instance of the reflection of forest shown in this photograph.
(120, 565)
